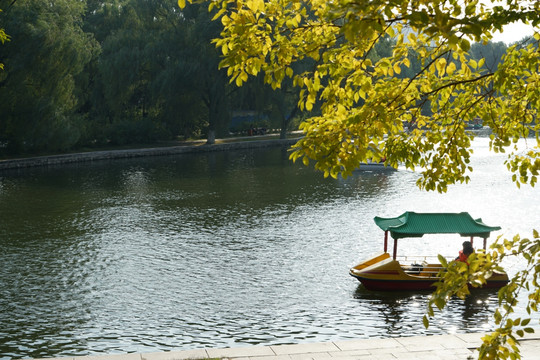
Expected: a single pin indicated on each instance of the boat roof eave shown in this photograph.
(412, 224)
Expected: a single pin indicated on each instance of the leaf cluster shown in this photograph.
(458, 278)
(3, 38)
(367, 110)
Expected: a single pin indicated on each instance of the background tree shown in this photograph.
(277, 106)
(129, 101)
(203, 76)
(157, 76)
(491, 52)
(109, 72)
(102, 18)
(38, 90)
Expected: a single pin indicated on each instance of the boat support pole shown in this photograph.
(395, 249)
(485, 243)
(386, 241)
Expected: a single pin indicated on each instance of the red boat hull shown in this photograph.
(409, 285)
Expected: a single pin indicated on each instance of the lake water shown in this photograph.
(222, 249)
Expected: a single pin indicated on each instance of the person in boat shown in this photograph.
(464, 254)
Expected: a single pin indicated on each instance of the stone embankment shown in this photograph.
(184, 148)
(133, 153)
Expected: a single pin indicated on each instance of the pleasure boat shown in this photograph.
(385, 272)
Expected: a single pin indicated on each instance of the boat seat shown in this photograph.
(413, 269)
(430, 270)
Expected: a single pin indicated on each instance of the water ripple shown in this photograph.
(219, 250)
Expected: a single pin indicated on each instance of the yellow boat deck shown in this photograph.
(382, 272)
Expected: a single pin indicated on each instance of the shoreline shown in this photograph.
(433, 347)
(196, 146)
(141, 152)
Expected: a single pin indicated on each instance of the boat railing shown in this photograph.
(428, 266)
(406, 259)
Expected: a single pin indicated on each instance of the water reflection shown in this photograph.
(397, 311)
(217, 249)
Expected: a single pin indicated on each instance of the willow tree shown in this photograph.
(38, 86)
(368, 111)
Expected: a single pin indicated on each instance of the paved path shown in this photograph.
(436, 347)
(180, 148)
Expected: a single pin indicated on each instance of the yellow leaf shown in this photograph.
(481, 62)
(291, 23)
(225, 20)
(255, 5)
(441, 66)
(238, 81)
(412, 39)
(407, 62)
(289, 72)
(361, 93)
(182, 4)
(451, 68)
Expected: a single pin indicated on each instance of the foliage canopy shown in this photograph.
(458, 278)
(366, 106)
(95, 73)
(411, 106)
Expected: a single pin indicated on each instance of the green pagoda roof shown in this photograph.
(411, 224)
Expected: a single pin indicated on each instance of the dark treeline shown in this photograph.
(94, 73)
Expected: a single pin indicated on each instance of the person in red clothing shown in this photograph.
(464, 254)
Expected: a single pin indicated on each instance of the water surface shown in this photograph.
(221, 249)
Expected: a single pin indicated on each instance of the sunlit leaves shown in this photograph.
(457, 279)
(367, 111)
(362, 99)
(3, 38)
(441, 66)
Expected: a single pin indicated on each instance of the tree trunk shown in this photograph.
(283, 131)
(211, 138)
(286, 118)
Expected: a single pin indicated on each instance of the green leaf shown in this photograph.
(465, 45)
(425, 320)
(442, 260)
(440, 303)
